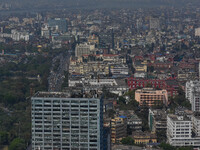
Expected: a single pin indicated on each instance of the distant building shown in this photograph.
(119, 70)
(154, 23)
(192, 91)
(93, 39)
(61, 121)
(58, 23)
(157, 120)
(150, 97)
(118, 129)
(197, 32)
(170, 85)
(45, 32)
(134, 123)
(84, 49)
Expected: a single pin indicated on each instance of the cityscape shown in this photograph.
(100, 75)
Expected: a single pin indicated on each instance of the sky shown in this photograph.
(50, 4)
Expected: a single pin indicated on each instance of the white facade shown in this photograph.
(179, 131)
(45, 32)
(93, 82)
(196, 124)
(192, 91)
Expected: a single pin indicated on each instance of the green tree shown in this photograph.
(3, 138)
(185, 148)
(166, 146)
(17, 144)
(127, 141)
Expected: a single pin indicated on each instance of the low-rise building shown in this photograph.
(179, 131)
(150, 97)
(134, 123)
(157, 120)
(140, 137)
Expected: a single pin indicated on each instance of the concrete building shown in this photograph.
(119, 70)
(84, 49)
(179, 131)
(197, 32)
(118, 129)
(58, 23)
(61, 121)
(171, 85)
(196, 124)
(149, 96)
(134, 123)
(157, 120)
(144, 137)
(192, 91)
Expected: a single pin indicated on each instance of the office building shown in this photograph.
(150, 97)
(61, 121)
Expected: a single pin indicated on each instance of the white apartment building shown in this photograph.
(64, 122)
(196, 124)
(192, 91)
(179, 131)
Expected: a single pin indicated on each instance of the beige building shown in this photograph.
(149, 96)
(84, 49)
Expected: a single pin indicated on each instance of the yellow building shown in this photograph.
(144, 137)
(141, 67)
(93, 39)
(118, 129)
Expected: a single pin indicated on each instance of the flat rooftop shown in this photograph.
(178, 118)
(71, 94)
(53, 94)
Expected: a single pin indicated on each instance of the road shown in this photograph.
(56, 76)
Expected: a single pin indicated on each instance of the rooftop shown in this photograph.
(52, 94)
(69, 94)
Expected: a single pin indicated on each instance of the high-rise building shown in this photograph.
(61, 121)
(59, 23)
(192, 91)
